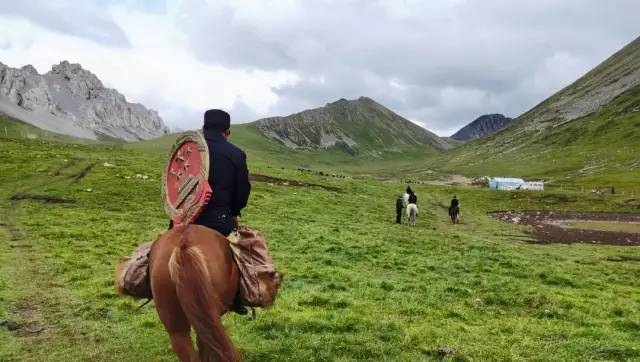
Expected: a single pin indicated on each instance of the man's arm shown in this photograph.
(243, 186)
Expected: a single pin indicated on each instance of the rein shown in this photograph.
(143, 304)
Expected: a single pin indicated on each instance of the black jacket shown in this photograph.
(454, 203)
(229, 180)
(413, 199)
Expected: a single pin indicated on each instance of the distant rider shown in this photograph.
(413, 199)
(454, 202)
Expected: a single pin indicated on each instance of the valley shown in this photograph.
(365, 287)
(525, 275)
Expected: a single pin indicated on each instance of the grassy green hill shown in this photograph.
(586, 135)
(262, 150)
(359, 126)
(357, 286)
(599, 150)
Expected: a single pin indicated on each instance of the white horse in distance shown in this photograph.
(412, 212)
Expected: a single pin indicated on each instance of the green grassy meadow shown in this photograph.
(357, 286)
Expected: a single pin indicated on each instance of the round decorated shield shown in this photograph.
(185, 187)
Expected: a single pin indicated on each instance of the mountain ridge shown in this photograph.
(359, 125)
(73, 101)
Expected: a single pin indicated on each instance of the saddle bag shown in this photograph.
(133, 273)
(259, 280)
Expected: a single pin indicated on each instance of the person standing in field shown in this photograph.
(454, 210)
(399, 208)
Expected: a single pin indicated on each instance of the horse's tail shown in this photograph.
(189, 272)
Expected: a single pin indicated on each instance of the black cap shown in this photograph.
(216, 119)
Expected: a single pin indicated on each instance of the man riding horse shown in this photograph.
(200, 269)
(228, 177)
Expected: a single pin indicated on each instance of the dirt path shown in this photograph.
(551, 226)
(35, 296)
(24, 310)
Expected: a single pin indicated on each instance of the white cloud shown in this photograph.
(156, 70)
(438, 63)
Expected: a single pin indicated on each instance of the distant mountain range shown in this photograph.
(359, 125)
(588, 131)
(73, 101)
(482, 126)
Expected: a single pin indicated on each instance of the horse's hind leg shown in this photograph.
(182, 346)
(179, 330)
(175, 322)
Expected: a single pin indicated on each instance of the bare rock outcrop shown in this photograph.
(73, 101)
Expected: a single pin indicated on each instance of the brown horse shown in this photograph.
(194, 280)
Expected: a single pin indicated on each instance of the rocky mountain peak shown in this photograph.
(78, 81)
(71, 100)
(482, 126)
(27, 69)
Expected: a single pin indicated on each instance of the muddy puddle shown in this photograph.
(577, 227)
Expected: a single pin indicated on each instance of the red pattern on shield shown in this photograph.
(186, 187)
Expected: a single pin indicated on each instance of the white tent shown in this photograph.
(506, 183)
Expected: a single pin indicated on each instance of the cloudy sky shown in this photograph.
(438, 63)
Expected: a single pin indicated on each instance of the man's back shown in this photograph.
(229, 180)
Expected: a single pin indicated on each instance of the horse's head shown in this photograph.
(270, 284)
